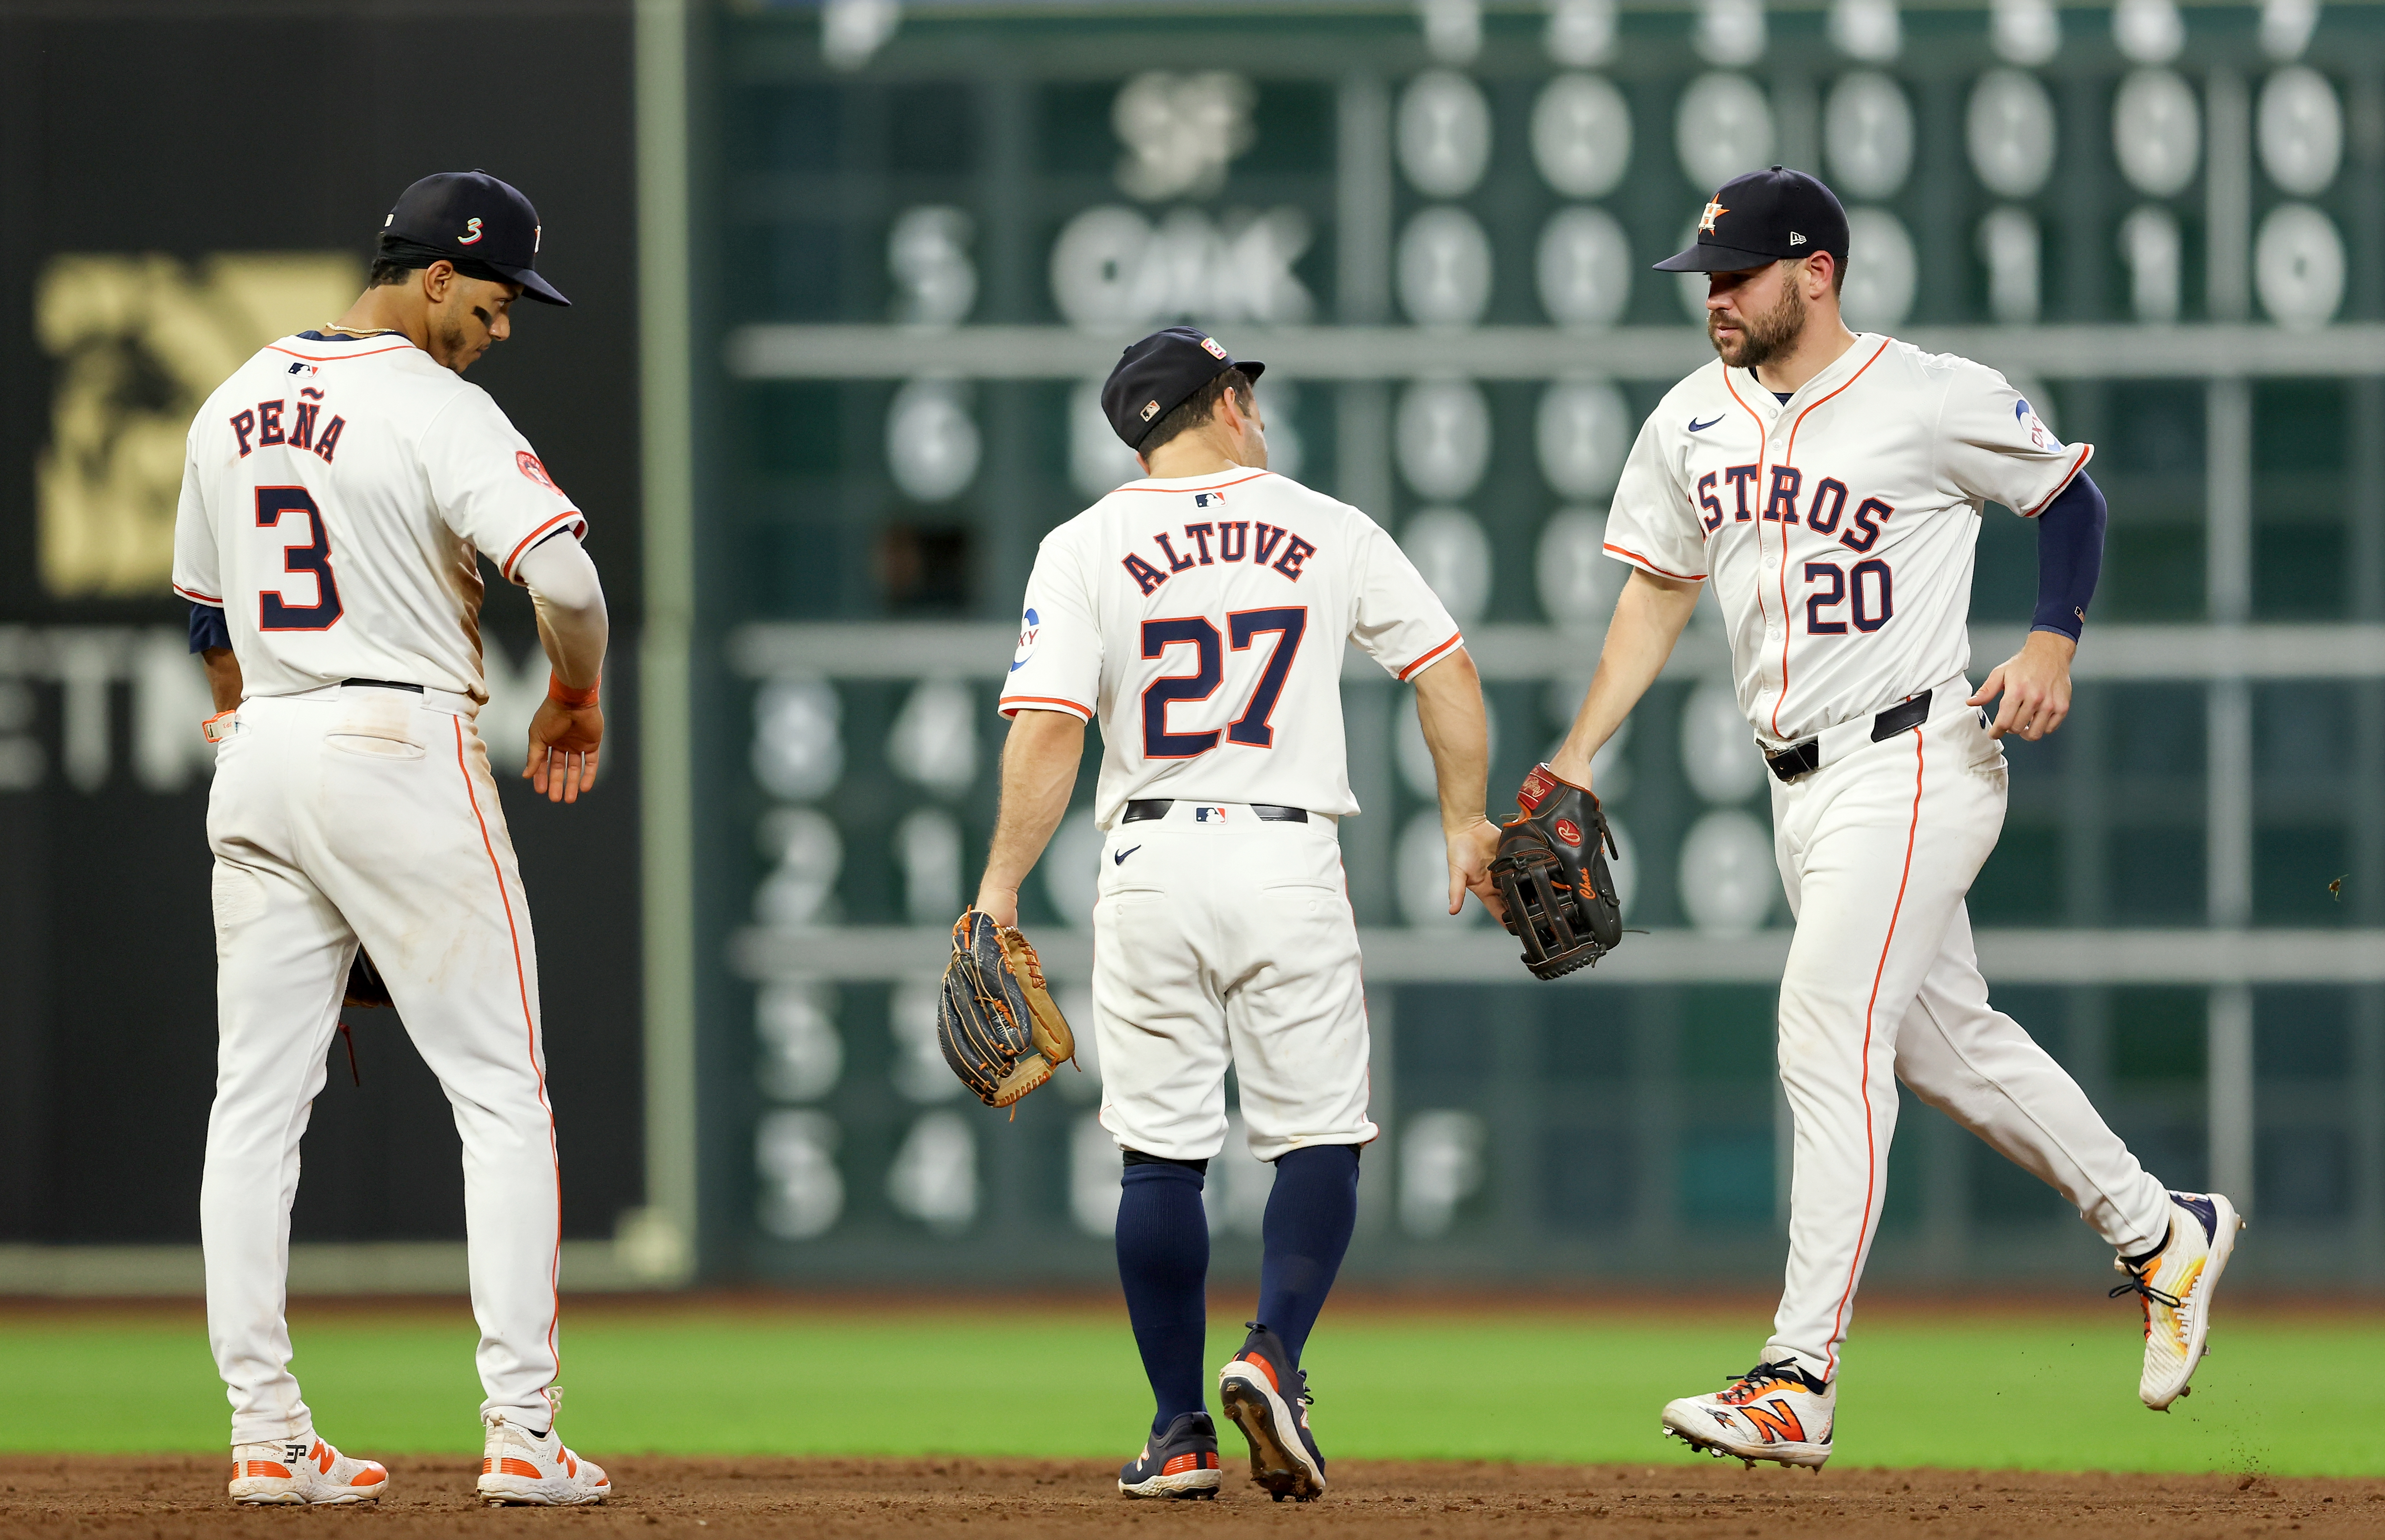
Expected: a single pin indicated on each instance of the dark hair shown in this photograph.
(1838, 271)
(1196, 409)
(385, 272)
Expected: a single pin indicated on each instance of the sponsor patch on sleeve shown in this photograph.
(1030, 626)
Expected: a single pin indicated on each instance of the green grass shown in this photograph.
(2026, 1392)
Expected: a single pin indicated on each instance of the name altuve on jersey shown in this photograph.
(1236, 540)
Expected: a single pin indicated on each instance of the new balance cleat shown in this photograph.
(1774, 1411)
(1268, 1400)
(517, 1466)
(2175, 1284)
(302, 1472)
(1181, 1462)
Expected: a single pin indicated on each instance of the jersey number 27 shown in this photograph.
(273, 613)
(1249, 728)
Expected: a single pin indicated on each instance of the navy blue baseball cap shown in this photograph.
(1158, 374)
(484, 226)
(1764, 217)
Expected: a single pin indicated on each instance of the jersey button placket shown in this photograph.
(1775, 443)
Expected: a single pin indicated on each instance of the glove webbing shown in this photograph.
(988, 1004)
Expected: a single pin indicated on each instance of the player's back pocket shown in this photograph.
(376, 729)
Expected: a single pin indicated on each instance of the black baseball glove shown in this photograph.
(998, 1025)
(1551, 873)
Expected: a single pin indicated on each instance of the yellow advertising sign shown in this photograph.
(140, 341)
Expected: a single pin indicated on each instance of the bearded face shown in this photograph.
(1751, 341)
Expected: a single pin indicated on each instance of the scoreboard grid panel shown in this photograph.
(2108, 829)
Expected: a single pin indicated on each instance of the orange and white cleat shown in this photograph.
(2176, 1284)
(1268, 1399)
(1181, 1462)
(302, 1472)
(1774, 1411)
(519, 1466)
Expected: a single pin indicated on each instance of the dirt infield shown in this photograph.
(167, 1497)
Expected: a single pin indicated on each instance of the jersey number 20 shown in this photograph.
(1250, 727)
(313, 559)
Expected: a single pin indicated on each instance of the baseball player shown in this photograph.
(338, 494)
(1830, 485)
(1200, 615)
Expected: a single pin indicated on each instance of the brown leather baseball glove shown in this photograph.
(998, 1025)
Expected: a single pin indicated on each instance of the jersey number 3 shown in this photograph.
(313, 559)
(1251, 728)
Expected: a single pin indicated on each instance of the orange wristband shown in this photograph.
(563, 695)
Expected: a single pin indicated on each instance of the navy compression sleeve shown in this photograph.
(207, 627)
(2070, 556)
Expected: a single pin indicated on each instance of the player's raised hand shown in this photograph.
(1470, 850)
(563, 744)
(2035, 683)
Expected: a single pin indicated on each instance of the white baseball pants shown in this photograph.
(1220, 938)
(353, 814)
(1878, 850)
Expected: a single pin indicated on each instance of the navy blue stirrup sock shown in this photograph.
(1309, 1216)
(1163, 1257)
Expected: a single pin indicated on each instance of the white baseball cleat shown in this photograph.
(517, 1466)
(1774, 1411)
(301, 1471)
(2176, 1284)
(1268, 1400)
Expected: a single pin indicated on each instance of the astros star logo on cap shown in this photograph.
(1713, 210)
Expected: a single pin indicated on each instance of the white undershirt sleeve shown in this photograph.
(572, 625)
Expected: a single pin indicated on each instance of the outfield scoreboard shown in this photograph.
(926, 230)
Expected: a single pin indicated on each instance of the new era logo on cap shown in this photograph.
(1209, 345)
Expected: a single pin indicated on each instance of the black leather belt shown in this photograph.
(1802, 758)
(382, 684)
(1152, 807)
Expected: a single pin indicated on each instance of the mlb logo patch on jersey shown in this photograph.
(1207, 499)
(1208, 814)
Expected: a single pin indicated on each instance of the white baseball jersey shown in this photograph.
(1838, 526)
(336, 495)
(1202, 619)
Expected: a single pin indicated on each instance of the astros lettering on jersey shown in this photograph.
(1820, 527)
(305, 515)
(1202, 619)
